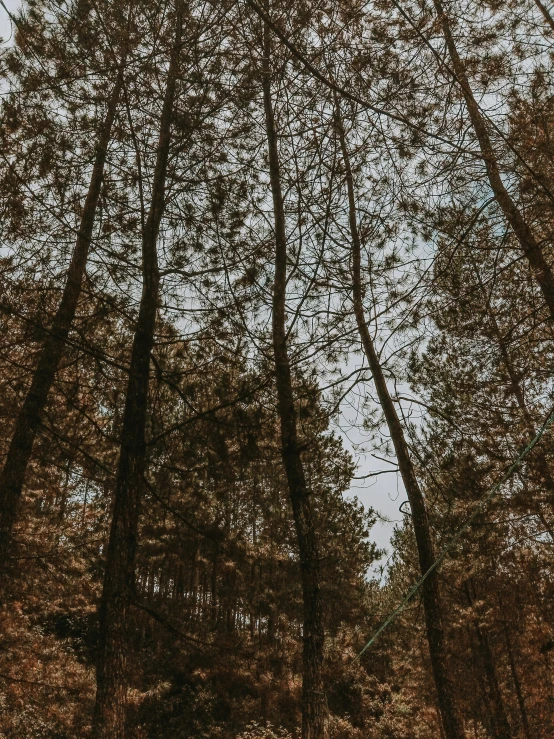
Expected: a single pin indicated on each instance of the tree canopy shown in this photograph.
(245, 247)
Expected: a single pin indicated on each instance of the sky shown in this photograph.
(384, 493)
(5, 26)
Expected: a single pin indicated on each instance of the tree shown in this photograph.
(435, 612)
(299, 280)
(313, 702)
(109, 712)
(29, 418)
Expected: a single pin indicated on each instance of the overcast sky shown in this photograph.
(5, 26)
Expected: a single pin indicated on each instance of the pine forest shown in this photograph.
(276, 369)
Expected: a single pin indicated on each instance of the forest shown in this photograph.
(267, 269)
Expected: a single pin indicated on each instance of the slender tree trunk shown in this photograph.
(435, 613)
(548, 18)
(517, 686)
(28, 421)
(192, 596)
(499, 719)
(213, 590)
(539, 266)
(313, 699)
(109, 712)
(486, 708)
(481, 717)
(538, 459)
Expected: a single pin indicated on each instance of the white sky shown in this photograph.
(5, 25)
(384, 493)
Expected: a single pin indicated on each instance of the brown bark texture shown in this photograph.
(119, 585)
(313, 698)
(538, 461)
(538, 264)
(547, 17)
(28, 421)
(435, 618)
(517, 685)
(500, 725)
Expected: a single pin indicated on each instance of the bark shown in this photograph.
(484, 703)
(192, 595)
(539, 266)
(538, 461)
(118, 589)
(213, 590)
(28, 421)
(482, 718)
(517, 685)
(434, 608)
(548, 18)
(313, 698)
(499, 720)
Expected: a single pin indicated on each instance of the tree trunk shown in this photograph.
(517, 686)
(532, 250)
(482, 716)
(109, 712)
(213, 590)
(499, 719)
(28, 421)
(538, 460)
(313, 699)
(432, 599)
(548, 18)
